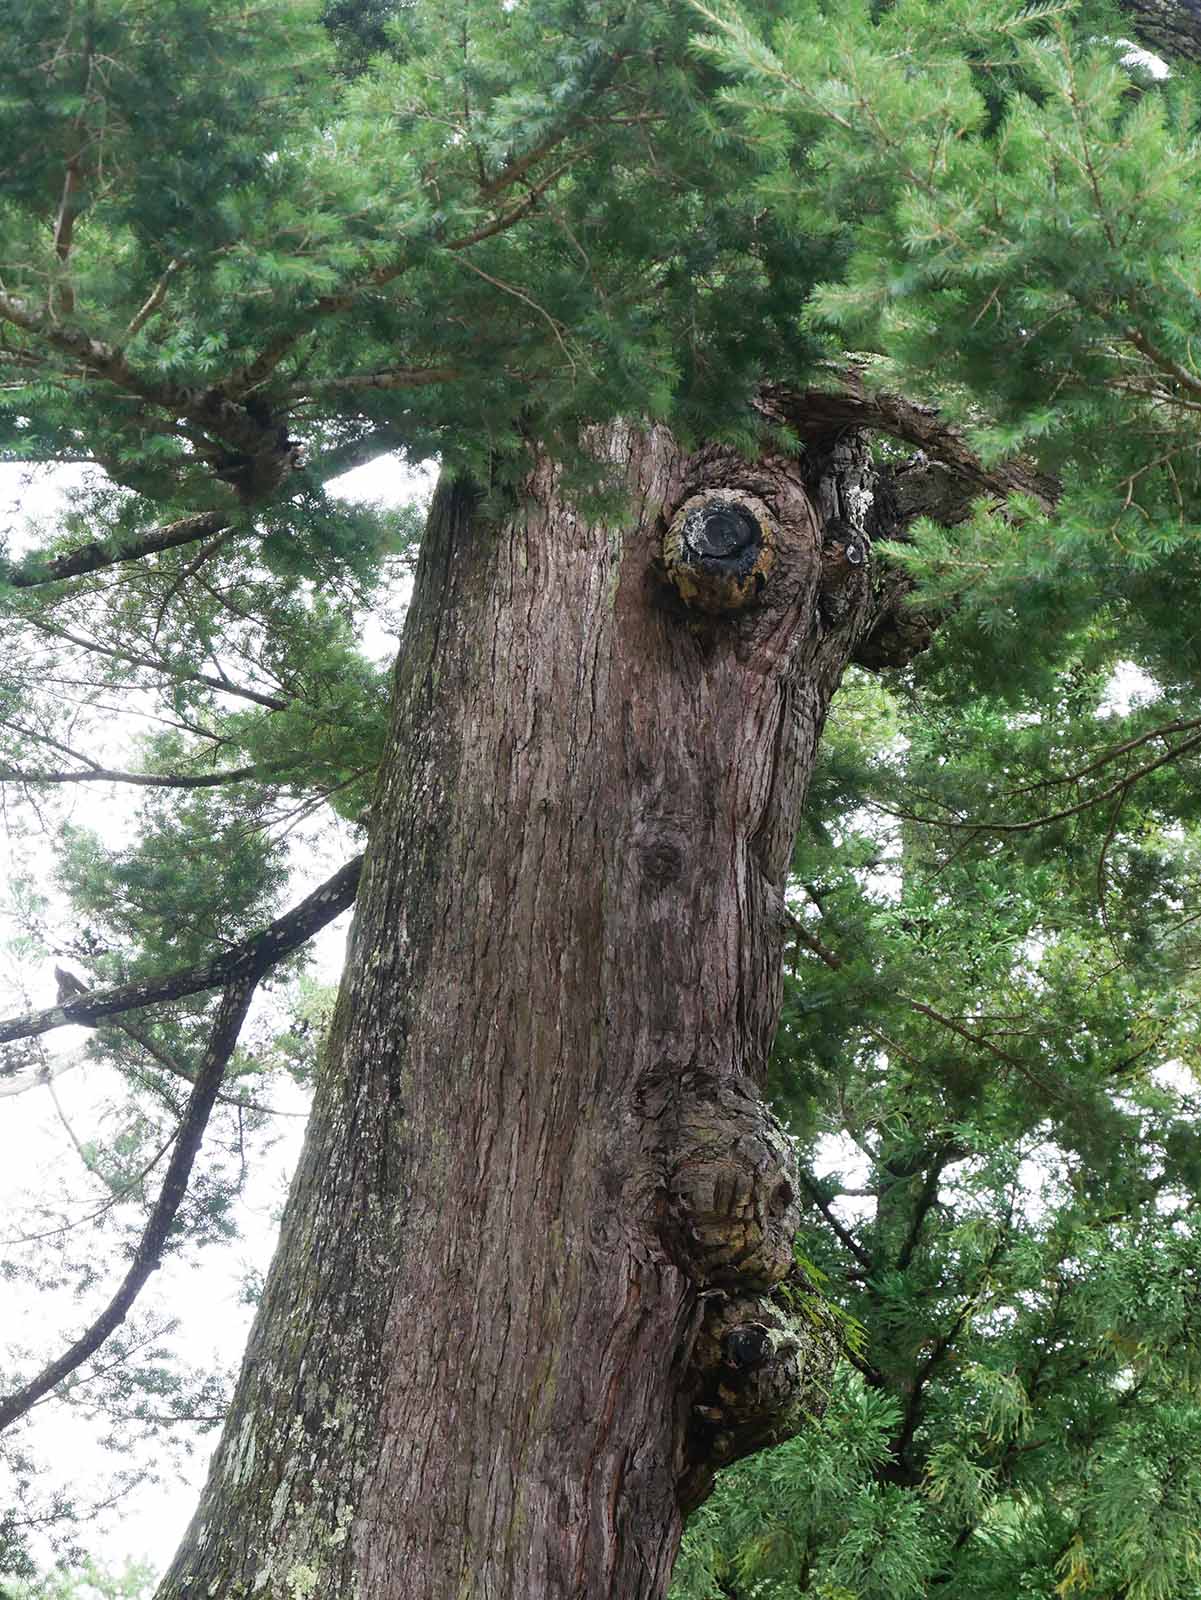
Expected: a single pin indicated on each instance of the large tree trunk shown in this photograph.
(535, 1277)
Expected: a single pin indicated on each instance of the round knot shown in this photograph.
(719, 549)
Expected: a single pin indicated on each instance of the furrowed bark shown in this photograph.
(535, 1281)
(1172, 28)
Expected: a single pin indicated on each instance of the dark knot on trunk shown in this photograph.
(719, 549)
(759, 1372)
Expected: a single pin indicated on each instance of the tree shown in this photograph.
(536, 1281)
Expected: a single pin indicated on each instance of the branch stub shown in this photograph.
(719, 549)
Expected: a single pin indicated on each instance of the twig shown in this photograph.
(983, 826)
(846, 1239)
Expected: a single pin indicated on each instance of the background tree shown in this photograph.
(607, 270)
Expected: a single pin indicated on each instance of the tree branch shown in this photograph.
(148, 780)
(155, 664)
(936, 1353)
(393, 378)
(1184, 725)
(234, 1006)
(835, 963)
(926, 1200)
(36, 570)
(815, 413)
(161, 1058)
(1120, 786)
(845, 1238)
(261, 950)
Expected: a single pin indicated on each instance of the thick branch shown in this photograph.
(148, 780)
(224, 1037)
(392, 378)
(817, 413)
(36, 570)
(263, 949)
(845, 1237)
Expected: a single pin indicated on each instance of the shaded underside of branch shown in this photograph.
(36, 570)
(816, 413)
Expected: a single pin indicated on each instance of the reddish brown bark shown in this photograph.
(523, 1301)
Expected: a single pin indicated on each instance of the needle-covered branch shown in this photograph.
(256, 954)
(982, 825)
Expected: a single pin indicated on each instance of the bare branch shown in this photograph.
(234, 1006)
(260, 951)
(147, 780)
(36, 570)
(844, 1236)
(154, 300)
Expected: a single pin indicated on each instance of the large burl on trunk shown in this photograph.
(535, 1282)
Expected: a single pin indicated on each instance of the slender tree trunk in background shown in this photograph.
(526, 1297)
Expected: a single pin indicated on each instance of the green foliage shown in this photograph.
(1014, 200)
(988, 1055)
(90, 1581)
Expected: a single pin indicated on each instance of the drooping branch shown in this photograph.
(168, 1063)
(158, 664)
(261, 950)
(834, 961)
(224, 1037)
(983, 825)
